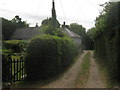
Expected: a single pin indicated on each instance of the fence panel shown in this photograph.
(18, 70)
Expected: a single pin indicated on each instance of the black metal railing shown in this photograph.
(13, 69)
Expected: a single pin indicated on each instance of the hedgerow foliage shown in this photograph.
(106, 38)
(16, 46)
(48, 55)
(10, 47)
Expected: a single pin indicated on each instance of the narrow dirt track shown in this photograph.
(94, 80)
(69, 78)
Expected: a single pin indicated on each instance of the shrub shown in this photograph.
(16, 46)
(48, 55)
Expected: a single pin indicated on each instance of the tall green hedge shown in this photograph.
(106, 48)
(48, 55)
(107, 41)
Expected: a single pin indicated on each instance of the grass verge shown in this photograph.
(84, 71)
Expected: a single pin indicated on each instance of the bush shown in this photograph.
(48, 55)
(16, 46)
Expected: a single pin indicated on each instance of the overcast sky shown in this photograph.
(83, 12)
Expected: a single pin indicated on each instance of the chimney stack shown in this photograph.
(36, 25)
(63, 25)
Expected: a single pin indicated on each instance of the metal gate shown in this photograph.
(13, 68)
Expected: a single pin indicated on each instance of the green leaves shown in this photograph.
(16, 46)
(19, 23)
(106, 39)
(48, 56)
(78, 29)
(49, 26)
(91, 33)
(9, 26)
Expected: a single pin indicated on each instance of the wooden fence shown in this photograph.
(13, 69)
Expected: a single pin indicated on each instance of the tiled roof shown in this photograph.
(27, 33)
(70, 33)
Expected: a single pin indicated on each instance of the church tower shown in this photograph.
(55, 23)
(53, 15)
(53, 10)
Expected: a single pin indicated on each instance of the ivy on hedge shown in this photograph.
(48, 56)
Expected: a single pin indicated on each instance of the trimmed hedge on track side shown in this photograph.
(48, 55)
(107, 41)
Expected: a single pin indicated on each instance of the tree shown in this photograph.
(90, 38)
(9, 26)
(47, 26)
(48, 22)
(80, 30)
(91, 33)
(19, 23)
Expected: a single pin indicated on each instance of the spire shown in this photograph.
(53, 10)
(53, 3)
(54, 22)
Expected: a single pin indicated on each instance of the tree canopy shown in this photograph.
(81, 31)
(91, 32)
(19, 23)
(48, 22)
(106, 21)
(78, 29)
(9, 26)
(48, 27)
